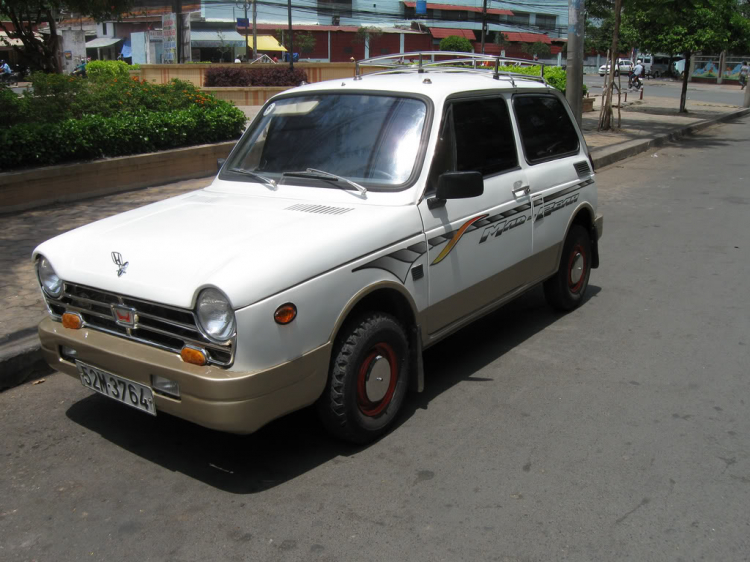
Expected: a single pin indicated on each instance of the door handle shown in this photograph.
(520, 191)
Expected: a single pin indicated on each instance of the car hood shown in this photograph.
(249, 247)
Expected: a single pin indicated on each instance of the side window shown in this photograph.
(477, 135)
(546, 129)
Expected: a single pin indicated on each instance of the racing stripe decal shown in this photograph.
(456, 237)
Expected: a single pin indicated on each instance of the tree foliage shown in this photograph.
(501, 39)
(456, 44)
(542, 50)
(689, 26)
(41, 51)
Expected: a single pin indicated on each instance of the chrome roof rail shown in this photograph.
(398, 63)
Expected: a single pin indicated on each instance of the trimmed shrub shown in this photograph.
(456, 44)
(555, 76)
(12, 109)
(55, 98)
(96, 136)
(103, 69)
(238, 76)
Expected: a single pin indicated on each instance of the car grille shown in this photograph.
(158, 325)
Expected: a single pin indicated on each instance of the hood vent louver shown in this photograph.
(320, 209)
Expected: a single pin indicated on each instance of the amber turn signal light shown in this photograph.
(285, 313)
(194, 356)
(72, 320)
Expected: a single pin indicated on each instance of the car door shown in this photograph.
(558, 171)
(475, 245)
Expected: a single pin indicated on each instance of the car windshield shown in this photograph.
(368, 139)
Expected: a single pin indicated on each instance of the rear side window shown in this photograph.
(546, 130)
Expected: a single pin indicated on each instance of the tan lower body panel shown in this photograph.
(531, 270)
(210, 396)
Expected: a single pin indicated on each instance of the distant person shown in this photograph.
(5, 72)
(635, 81)
(744, 70)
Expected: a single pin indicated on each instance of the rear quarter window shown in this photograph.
(546, 129)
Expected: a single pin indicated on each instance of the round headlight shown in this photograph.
(215, 315)
(51, 283)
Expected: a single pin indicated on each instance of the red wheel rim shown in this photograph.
(369, 407)
(578, 250)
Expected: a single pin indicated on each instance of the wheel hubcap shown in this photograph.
(377, 379)
(576, 269)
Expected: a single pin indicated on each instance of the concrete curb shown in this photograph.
(20, 353)
(610, 154)
(21, 359)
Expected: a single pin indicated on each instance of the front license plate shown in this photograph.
(120, 389)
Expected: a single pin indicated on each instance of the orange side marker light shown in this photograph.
(194, 356)
(285, 313)
(72, 320)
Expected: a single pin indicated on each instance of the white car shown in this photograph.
(624, 66)
(356, 223)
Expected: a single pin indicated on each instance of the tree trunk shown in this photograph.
(605, 120)
(686, 75)
(54, 39)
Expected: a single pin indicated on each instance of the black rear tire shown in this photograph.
(566, 288)
(358, 404)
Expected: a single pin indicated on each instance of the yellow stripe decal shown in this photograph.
(456, 237)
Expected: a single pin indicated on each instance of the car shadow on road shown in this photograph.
(297, 443)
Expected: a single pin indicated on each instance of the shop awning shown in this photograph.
(101, 42)
(266, 43)
(216, 38)
(443, 32)
(6, 42)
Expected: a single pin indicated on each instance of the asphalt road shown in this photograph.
(617, 432)
(668, 88)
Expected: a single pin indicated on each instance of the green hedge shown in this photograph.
(95, 136)
(555, 76)
(65, 119)
(103, 69)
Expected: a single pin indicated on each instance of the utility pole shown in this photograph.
(484, 22)
(574, 86)
(746, 102)
(291, 36)
(255, 31)
(178, 28)
(247, 30)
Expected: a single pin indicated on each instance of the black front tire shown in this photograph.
(565, 290)
(345, 407)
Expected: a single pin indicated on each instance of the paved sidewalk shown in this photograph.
(21, 306)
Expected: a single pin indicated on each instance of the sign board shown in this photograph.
(169, 36)
(243, 22)
(155, 35)
(421, 7)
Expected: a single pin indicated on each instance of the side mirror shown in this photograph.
(220, 163)
(459, 185)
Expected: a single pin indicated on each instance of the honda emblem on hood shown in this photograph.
(121, 265)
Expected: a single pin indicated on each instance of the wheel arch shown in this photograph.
(584, 216)
(384, 296)
(392, 298)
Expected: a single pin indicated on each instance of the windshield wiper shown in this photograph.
(320, 174)
(256, 175)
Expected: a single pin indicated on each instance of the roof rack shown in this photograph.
(425, 61)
